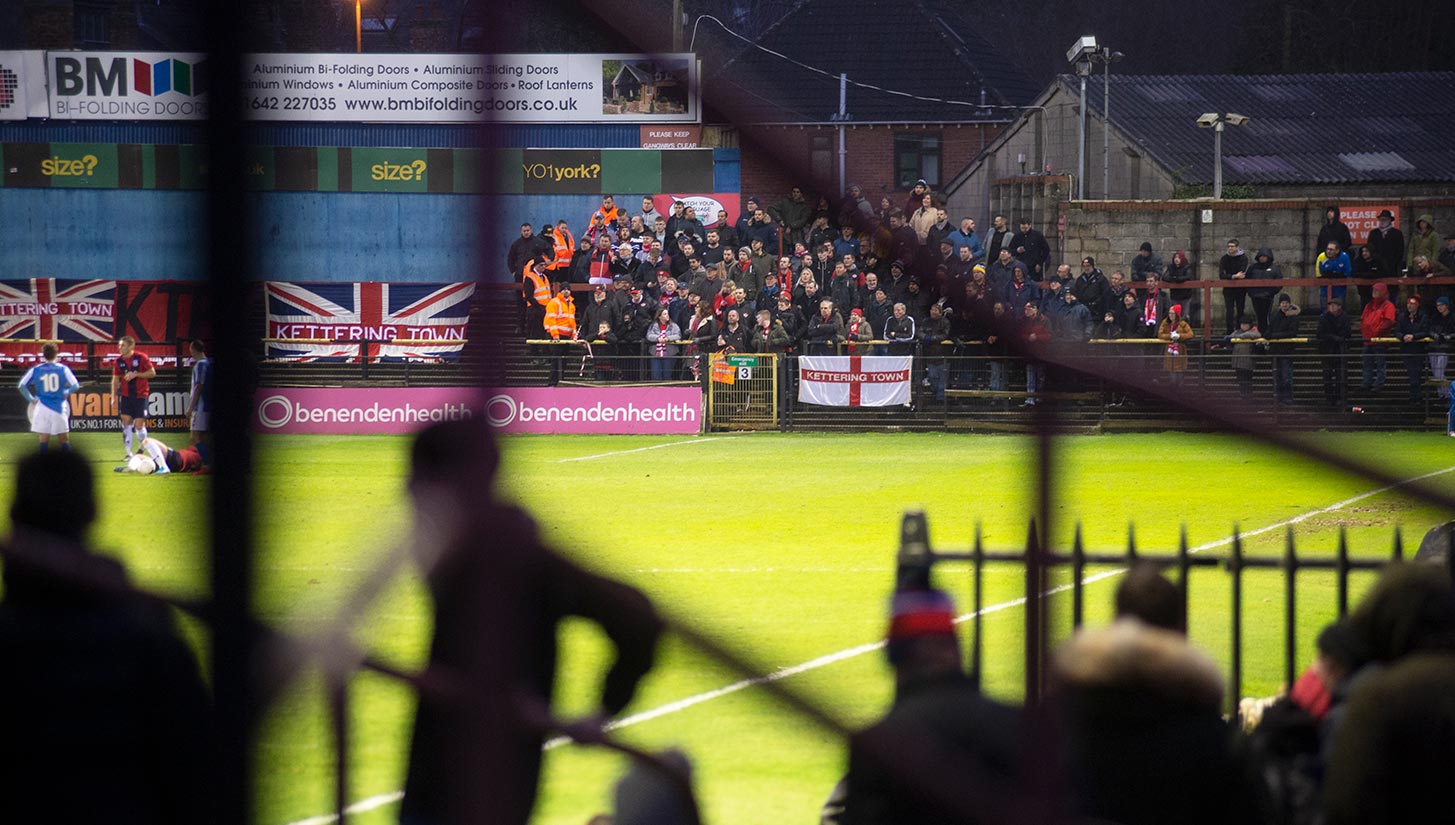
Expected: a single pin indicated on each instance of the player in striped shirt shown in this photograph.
(46, 386)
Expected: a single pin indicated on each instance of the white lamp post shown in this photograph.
(1215, 121)
(1079, 55)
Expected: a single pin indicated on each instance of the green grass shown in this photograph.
(780, 547)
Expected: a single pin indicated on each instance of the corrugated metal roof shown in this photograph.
(1325, 129)
(920, 48)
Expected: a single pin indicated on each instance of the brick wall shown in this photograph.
(49, 27)
(775, 158)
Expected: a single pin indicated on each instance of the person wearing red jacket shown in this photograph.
(1377, 321)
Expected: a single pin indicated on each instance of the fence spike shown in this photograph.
(977, 599)
(1131, 541)
(1290, 607)
(1184, 567)
(1078, 564)
(1343, 583)
(1398, 543)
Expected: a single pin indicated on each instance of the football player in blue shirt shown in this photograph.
(199, 404)
(46, 386)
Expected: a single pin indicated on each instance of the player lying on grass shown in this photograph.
(157, 457)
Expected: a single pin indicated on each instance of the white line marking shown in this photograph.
(359, 807)
(642, 449)
(870, 647)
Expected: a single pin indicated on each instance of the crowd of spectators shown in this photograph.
(798, 277)
(1132, 729)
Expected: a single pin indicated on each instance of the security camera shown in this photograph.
(1236, 119)
(1208, 120)
(1082, 49)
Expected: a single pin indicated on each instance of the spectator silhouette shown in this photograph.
(937, 711)
(1140, 710)
(499, 597)
(103, 715)
(1394, 752)
(1145, 594)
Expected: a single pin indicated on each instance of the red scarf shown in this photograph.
(854, 322)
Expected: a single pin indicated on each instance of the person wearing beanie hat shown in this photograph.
(1263, 268)
(1412, 328)
(1282, 324)
(952, 728)
(1177, 333)
(1145, 263)
(1334, 330)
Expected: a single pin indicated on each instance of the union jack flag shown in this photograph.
(380, 321)
(58, 309)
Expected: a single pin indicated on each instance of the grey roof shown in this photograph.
(1304, 129)
(927, 48)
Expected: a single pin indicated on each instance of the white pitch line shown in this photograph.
(359, 807)
(859, 650)
(641, 449)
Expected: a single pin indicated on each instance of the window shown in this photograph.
(92, 25)
(917, 156)
(821, 157)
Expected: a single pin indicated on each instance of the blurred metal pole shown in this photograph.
(228, 264)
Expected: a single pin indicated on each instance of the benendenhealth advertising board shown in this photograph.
(375, 88)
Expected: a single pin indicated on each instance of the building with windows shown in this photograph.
(820, 84)
(1307, 136)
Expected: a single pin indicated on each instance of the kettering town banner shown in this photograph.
(100, 310)
(854, 380)
(376, 88)
(58, 309)
(397, 410)
(322, 322)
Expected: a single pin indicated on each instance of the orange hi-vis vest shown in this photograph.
(613, 216)
(535, 285)
(561, 317)
(564, 250)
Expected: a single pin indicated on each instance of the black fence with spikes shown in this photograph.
(917, 559)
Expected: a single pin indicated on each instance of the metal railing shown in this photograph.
(916, 560)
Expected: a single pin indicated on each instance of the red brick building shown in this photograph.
(923, 94)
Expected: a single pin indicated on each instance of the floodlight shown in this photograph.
(1236, 119)
(1207, 120)
(1082, 49)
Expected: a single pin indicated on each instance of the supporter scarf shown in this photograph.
(1149, 310)
(853, 332)
(661, 340)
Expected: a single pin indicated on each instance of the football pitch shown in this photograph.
(779, 546)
